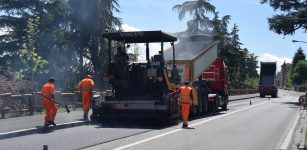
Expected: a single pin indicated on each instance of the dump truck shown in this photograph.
(197, 61)
(267, 85)
(139, 89)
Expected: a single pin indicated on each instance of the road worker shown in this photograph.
(121, 56)
(48, 96)
(186, 97)
(86, 87)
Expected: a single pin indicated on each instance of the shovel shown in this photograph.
(65, 106)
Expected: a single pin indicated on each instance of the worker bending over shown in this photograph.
(86, 87)
(48, 96)
(186, 97)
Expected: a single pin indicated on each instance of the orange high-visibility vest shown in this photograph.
(86, 85)
(48, 90)
(185, 93)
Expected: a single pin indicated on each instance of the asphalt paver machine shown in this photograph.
(139, 89)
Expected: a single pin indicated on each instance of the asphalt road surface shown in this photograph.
(263, 125)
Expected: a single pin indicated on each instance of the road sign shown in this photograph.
(303, 100)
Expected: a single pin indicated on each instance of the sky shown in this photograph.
(249, 15)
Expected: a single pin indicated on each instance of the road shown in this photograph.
(263, 125)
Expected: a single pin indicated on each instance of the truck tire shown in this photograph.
(262, 95)
(200, 108)
(213, 107)
(225, 102)
(224, 107)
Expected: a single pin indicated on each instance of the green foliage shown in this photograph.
(300, 73)
(64, 33)
(293, 16)
(295, 75)
(200, 23)
(33, 63)
(298, 56)
(251, 83)
(241, 64)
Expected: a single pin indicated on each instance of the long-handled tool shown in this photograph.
(65, 106)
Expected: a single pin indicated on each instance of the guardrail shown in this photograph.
(233, 92)
(18, 104)
(27, 104)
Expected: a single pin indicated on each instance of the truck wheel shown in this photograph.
(200, 109)
(224, 107)
(261, 95)
(94, 117)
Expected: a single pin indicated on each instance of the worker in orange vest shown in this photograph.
(86, 87)
(51, 108)
(186, 97)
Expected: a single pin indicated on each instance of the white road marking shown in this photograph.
(288, 138)
(177, 130)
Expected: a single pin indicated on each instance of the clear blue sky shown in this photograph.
(249, 15)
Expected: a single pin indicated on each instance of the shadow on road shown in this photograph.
(291, 104)
(143, 123)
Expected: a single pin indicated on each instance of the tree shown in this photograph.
(32, 62)
(300, 73)
(69, 31)
(90, 19)
(293, 17)
(220, 28)
(14, 21)
(198, 9)
(241, 64)
(298, 57)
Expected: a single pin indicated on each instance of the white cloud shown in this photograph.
(266, 57)
(126, 27)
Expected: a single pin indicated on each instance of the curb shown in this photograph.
(40, 130)
(303, 137)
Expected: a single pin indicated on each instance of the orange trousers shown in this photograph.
(185, 110)
(86, 101)
(51, 110)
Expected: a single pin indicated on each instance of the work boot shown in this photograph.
(184, 126)
(85, 116)
(51, 122)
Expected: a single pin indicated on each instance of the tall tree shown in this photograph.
(14, 21)
(293, 17)
(220, 27)
(200, 23)
(300, 73)
(69, 31)
(32, 62)
(241, 64)
(298, 56)
(295, 75)
(90, 19)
